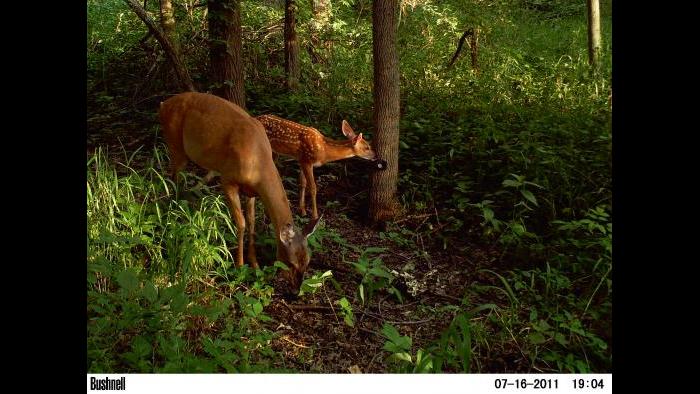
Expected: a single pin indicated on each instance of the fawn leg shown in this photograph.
(308, 171)
(302, 191)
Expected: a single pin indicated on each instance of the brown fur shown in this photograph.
(312, 149)
(220, 136)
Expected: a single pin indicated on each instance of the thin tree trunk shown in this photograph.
(182, 75)
(225, 50)
(319, 26)
(291, 45)
(593, 33)
(382, 197)
(167, 22)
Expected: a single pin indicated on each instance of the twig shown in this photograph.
(371, 362)
(295, 344)
(425, 215)
(308, 307)
(288, 307)
(331, 304)
(369, 331)
(206, 283)
(472, 44)
(459, 47)
(398, 322)
(445, 296)
(410, 321)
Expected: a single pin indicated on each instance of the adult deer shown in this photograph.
(220, 136)
(313, 149)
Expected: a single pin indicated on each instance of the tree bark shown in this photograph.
(167, 22)
(225, 50)
(291, 45)
(182, 75)
(383, 205)
(593, 32)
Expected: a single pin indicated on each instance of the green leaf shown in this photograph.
(361, 268)
(511, 183)
(349, 320)
(529, 196)
(533, 314)
(518, 229)
(373, 249)
(312, 284)
(281, 265)
(542, 325)
(390, 332)
(402, 356)
(127, 280)
(536, 338)
(257, 308)
(376, 271)
(178, 303)
(561, 339)
(488, 214)
(150, 291)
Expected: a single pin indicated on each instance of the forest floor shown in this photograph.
(312, 335)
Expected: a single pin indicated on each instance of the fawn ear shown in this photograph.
(287, 234)
(347, 130)
(357, 139)
(310, 227)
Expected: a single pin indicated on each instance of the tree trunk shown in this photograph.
(382, 197)
(291, 45)
(593, 32)
(167, 22)
(225, 50)
(182, 75)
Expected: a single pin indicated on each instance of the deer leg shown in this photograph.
(302, 191)
(250, 217)
(308, 171)
(231, 191)
(210, 175)
(177, 164)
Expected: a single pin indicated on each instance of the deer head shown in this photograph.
(293, 250)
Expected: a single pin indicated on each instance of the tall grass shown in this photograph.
(136, 220)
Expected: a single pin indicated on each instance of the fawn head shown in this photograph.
(361, 146)
(293, 250)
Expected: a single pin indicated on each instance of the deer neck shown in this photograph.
(337, 150)
(275, 200)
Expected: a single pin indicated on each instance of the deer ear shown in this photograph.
(287, 234)
(311, 226)
(347, 130)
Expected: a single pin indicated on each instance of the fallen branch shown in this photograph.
(398, 322)
(473, 45)
(308, 307)
(295, 344)
(410, 217)
(182, 75)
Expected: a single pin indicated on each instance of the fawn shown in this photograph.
(313, 149)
